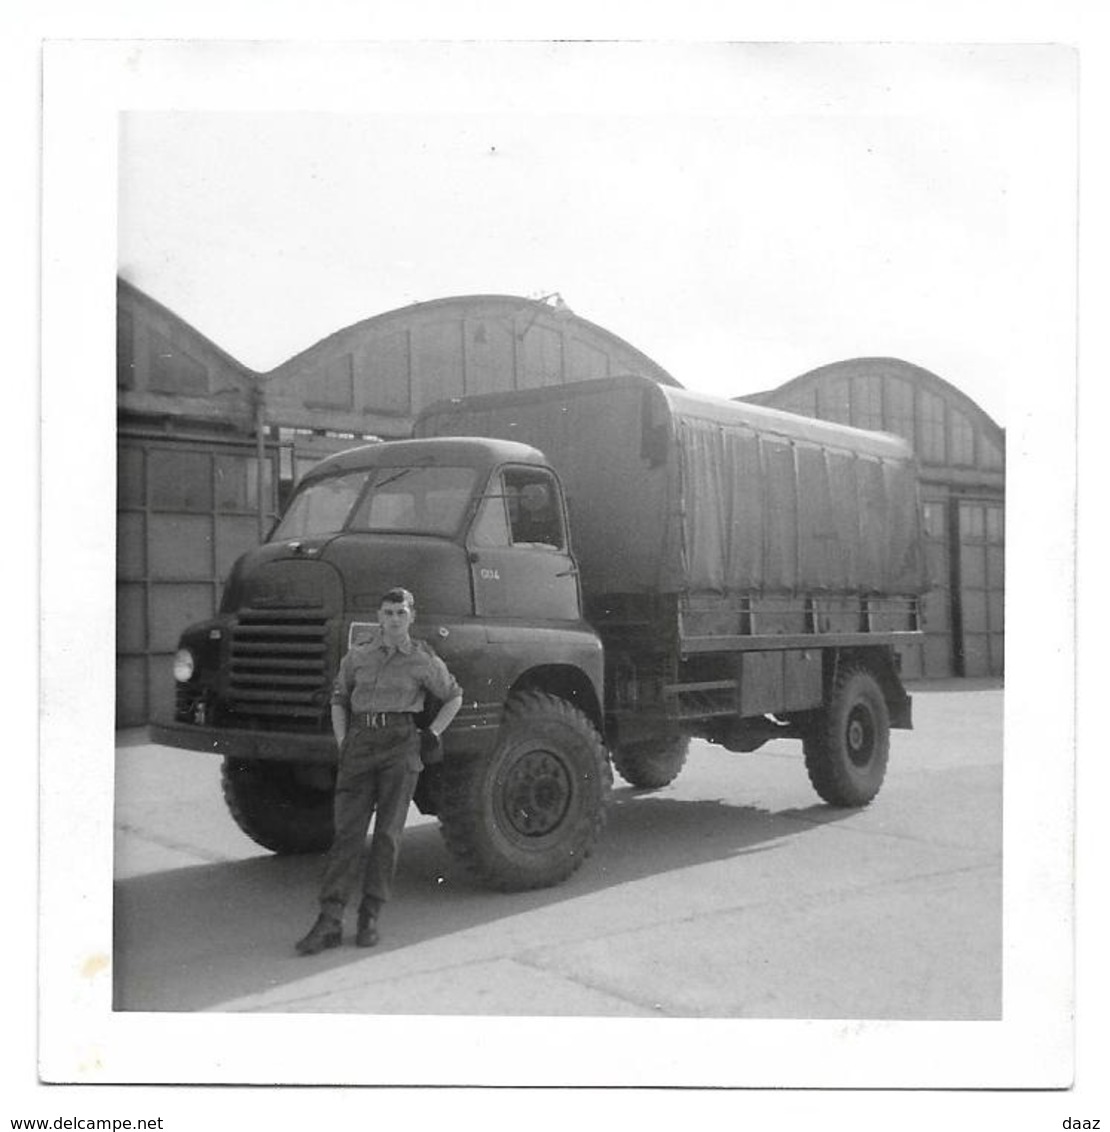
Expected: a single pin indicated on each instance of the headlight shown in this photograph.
(183, 665)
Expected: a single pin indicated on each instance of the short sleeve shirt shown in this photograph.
(375, 676)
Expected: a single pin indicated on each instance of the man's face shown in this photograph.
(395, 617)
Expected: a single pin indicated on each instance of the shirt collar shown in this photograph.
(404, 648)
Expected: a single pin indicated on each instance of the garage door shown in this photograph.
(937, 604)
(982, 586)
(185, 511)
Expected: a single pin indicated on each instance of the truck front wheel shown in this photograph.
(651, 764)
(527, 813)
(281, 806)
(846, 750)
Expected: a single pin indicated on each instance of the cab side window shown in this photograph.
(491, 524)
(533, 508)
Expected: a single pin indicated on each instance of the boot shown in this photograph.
(326, 932)
(367, 934)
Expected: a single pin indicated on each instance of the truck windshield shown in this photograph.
(415, 500)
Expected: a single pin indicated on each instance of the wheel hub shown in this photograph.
(860, 736)
(536, 793)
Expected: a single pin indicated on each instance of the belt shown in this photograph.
(380, 718)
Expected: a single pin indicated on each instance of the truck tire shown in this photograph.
(846, 752)
(651, 764)
(273, 806)
(527, 813)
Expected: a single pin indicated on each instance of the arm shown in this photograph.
(443, 717)
(339, 722)
(439, 681)
(341, 702)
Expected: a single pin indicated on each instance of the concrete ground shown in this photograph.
(734, 892)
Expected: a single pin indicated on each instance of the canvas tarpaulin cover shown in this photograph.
(671, 491)
(787, 515)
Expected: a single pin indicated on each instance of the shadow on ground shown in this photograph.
(191, 938)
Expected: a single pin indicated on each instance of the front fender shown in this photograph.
(490, 658)
(568, 662)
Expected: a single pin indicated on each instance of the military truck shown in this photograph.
(609, 568)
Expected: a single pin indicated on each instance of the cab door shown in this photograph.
(519, 552)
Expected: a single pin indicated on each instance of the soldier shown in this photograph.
(378, 692)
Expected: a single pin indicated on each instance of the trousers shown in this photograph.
(378, 769)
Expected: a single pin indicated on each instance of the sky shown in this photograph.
(741, 214)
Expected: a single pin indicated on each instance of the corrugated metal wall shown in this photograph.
(186, 509)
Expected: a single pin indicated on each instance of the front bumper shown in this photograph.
(284, 746)
(473, 730)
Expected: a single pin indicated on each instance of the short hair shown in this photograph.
(398, 595)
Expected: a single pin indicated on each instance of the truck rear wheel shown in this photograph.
(527, 813)
(651, 764)
(846, 752)
(277, 805)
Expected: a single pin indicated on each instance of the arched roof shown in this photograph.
(372, 377)
(883, 367)
(534, 312)
(135, 299)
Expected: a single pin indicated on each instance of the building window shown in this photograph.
(899, 409)
(834, 402)
(237, 483)
(932, 447)
(996, 524)
(990, 455)
(962, 440)
(933, 520)
(867, 402)
(180, 481)
(972, 522)
(129, 477)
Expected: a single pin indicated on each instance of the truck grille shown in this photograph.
(279, 666)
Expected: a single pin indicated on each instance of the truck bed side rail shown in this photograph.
(735, 623)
